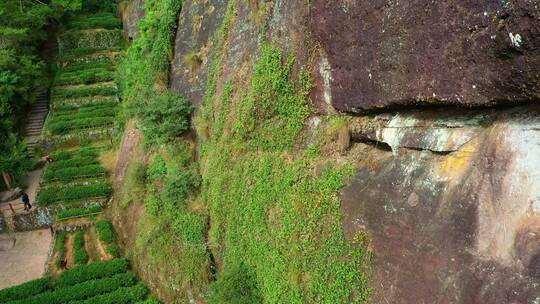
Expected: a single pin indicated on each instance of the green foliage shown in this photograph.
(65, 127)
(113, 250)
(88, 151)
(134, 183)
(173, 231)
(80, 256)
(123, 295)
(165, 117)
(68, 174)
(77, 212)
(69, 5)
(25, 290)
(82, 290)
(147, 60)
(74, 162)
(275, 103)
(237, 285)
(83, 91)
(84, 77)
(73, 193)
(14, 158)
(105, 231)
(99, 63)
(99, 20)
(91, 272)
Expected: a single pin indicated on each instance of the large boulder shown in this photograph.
(451, 201)
(384, 53)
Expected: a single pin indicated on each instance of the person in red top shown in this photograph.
(49, 159)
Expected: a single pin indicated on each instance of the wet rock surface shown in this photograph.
(452, 205)
(385, 53)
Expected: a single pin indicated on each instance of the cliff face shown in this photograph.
(448, 195)
(471, 53)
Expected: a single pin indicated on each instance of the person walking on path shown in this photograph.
(26, 202)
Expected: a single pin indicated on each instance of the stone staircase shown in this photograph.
(35, 122)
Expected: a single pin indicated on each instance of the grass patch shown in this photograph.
(100, 20)
(80, 256)
(74, 193)
(77, 212)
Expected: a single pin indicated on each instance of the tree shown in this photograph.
(14, 160)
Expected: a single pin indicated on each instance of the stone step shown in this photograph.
(34, 124)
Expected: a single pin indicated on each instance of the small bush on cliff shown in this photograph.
(165, 117)
(237, 285)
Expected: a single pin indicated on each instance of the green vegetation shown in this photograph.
(91, 272)
(83, 91)
(105, 231)
(81, 291)
(77, 212)
(236, 286)
(77, 161)
(80, 256)
(68, 174)
(22, 29)
(99, 20)
(25, 290)
(60, 194)
(134, 183)
(61, 247)
(106, 282)
(143, 72)
(164, 117)
(121, 295)
(84, 77)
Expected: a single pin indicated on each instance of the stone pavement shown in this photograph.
(26, 260)
(32, 180)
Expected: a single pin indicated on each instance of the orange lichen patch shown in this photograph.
(455, 164)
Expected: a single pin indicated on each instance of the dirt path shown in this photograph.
(32, 180)
(88, 248)
(69, 250)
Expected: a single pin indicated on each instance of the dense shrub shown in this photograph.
(113, 250)
(99, 20)
(74, 162)
(25, 290)
(84, 77)
(91, 151)
(147, 60)
(73, 193)
(164, 117)
(122, 295)
(237, 285)
(64, 127)
(68, 174)
(80, 256)
(105, 231)
(84, 91)
(82, 290)
(91, 272)
(77, 212)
